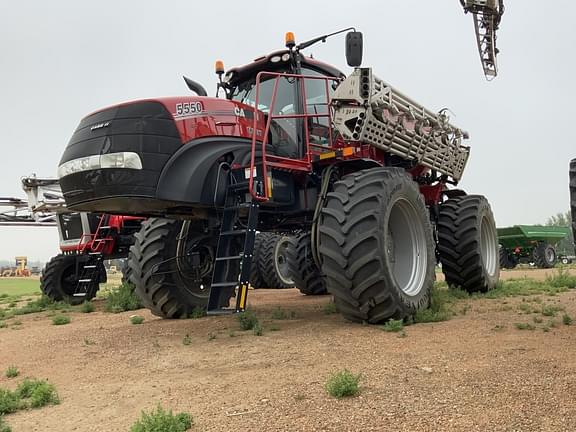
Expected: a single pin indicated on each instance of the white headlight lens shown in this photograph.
(129, 160)
(285, 57)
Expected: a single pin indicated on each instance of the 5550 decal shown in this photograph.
(188, 108)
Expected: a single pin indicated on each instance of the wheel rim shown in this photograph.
(281, 262)
(194, 259)
(407, 246)
(489, 246)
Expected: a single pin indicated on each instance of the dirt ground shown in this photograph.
(476, 372)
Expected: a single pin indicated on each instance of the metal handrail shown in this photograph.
(305, 162)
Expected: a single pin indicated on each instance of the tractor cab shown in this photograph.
(283, 88)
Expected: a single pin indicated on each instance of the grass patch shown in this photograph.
(2, 324)
(343, 384)
(3, 426)
(12, 372)
(197, 313)
(247, 320)
(567, 319)
(136, 319)
(520, 287)
(393, 326)
(60, 320)
(562, 279)
(30, 393)
(19, 287)
(87, 307)
(39, 304)
(524, 326)
(122, 299)
(441, 303)
(211, 336)
(160, 420)
(37, 393)
(9, 402)
(551, 310)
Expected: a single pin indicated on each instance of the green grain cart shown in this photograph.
(530, 244)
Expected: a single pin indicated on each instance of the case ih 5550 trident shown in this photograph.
(357, 170)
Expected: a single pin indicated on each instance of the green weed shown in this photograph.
(247, 320)
(551, 310)
(87, 307)
(524, 326)
(343, 384)
(122, 299)
(566, 319)
(3, 426)
(9, 402)
(329, 308)
(393, 326)
(162, 421)
(12, 372)
(197, 313)
(60, 320)
(38, 393)
(136, 319)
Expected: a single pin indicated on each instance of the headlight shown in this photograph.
(129, 160)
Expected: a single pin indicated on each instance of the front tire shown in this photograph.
(172, 263)
(59, 280)
(468, 243)
(376, 246)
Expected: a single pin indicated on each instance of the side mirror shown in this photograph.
(354, 48)
(195, 87)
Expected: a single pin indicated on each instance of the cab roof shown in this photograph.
(242, 73)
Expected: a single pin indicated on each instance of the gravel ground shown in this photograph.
(476, 372)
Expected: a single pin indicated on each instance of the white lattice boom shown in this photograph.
(370, 111)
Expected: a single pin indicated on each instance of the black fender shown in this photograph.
(194, 172)
(352, 165)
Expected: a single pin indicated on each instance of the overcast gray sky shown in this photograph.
(60, 60)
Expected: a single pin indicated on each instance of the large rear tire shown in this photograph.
(468, 243)
(544, 256)
(59, 280)
(376, 246)
(172, 264)
(302, 268)
(272, 261)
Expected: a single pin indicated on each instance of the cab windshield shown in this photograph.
(287, 133)
(285, 94)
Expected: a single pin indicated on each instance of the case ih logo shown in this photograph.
(100, 126)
